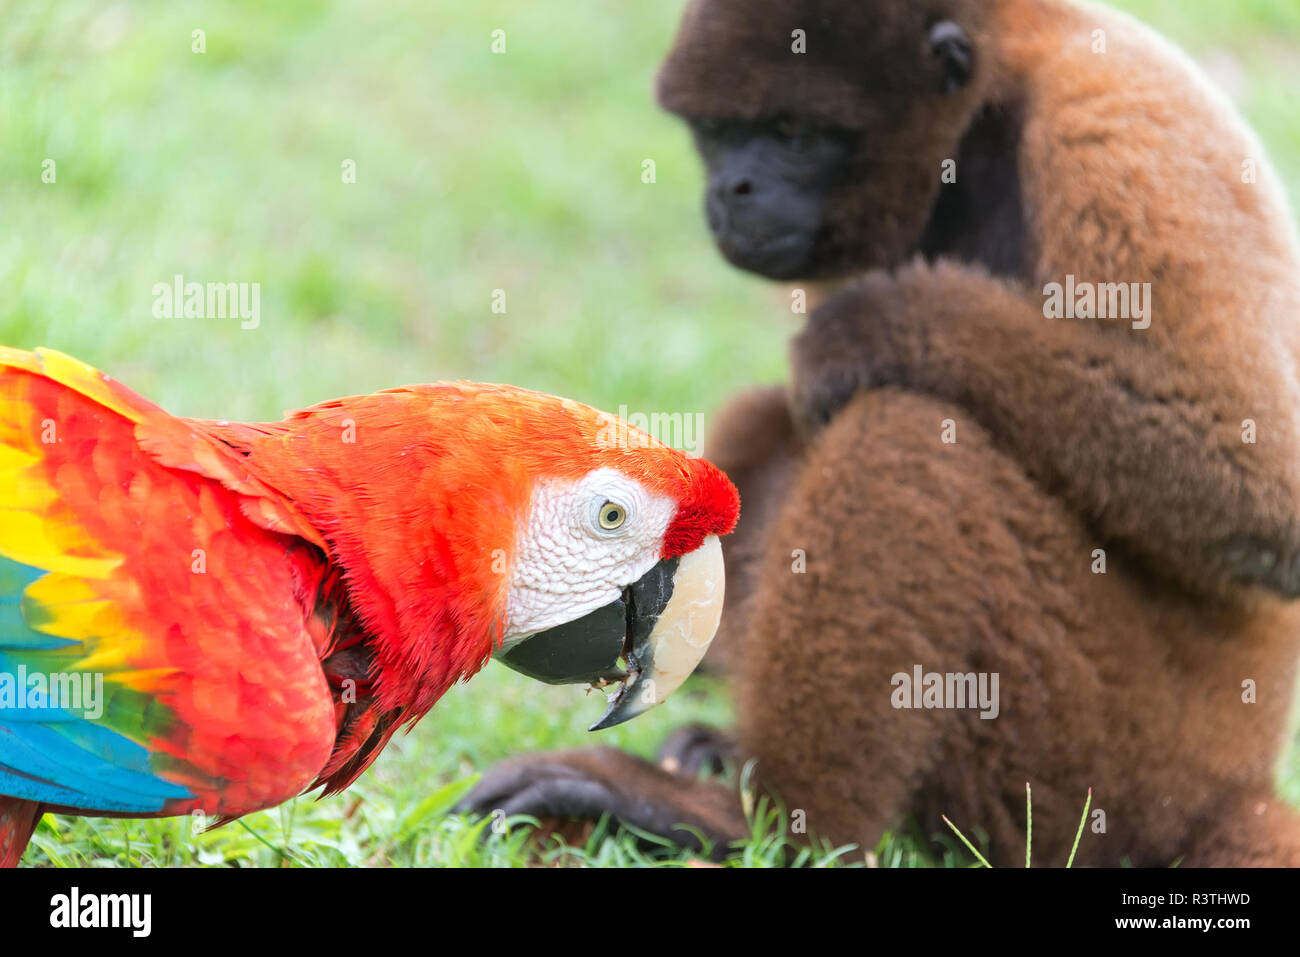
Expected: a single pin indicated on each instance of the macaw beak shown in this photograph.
(661, 626)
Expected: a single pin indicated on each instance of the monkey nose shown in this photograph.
(730, 202)
(731, 187)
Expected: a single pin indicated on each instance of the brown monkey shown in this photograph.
(1087, 487)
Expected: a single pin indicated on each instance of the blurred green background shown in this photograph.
(474, 172)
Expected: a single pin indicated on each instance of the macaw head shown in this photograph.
(479, 521)
(617, 573)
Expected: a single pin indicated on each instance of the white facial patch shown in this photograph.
(567, 564)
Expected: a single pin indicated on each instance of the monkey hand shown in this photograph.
(590, 783)
(858, 339)
(698, 747)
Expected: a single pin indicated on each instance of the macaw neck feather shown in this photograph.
(408, 525)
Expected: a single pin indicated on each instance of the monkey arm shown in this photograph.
(1151, 444)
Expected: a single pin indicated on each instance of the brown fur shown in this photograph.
(1071, 435)
(955, 559)
(762, 451)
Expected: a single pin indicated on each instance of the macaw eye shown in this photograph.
(612, 516)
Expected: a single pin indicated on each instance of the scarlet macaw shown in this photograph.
(262, 605)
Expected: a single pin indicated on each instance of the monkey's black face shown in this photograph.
(825, 125)
(767, 192)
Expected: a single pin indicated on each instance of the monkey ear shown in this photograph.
(949, 42)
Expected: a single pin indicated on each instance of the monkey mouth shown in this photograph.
(783, 256)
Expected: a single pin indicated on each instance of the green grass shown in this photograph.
(475, 173)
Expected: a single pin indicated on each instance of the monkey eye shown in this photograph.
(710, 127)
(792, 132)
